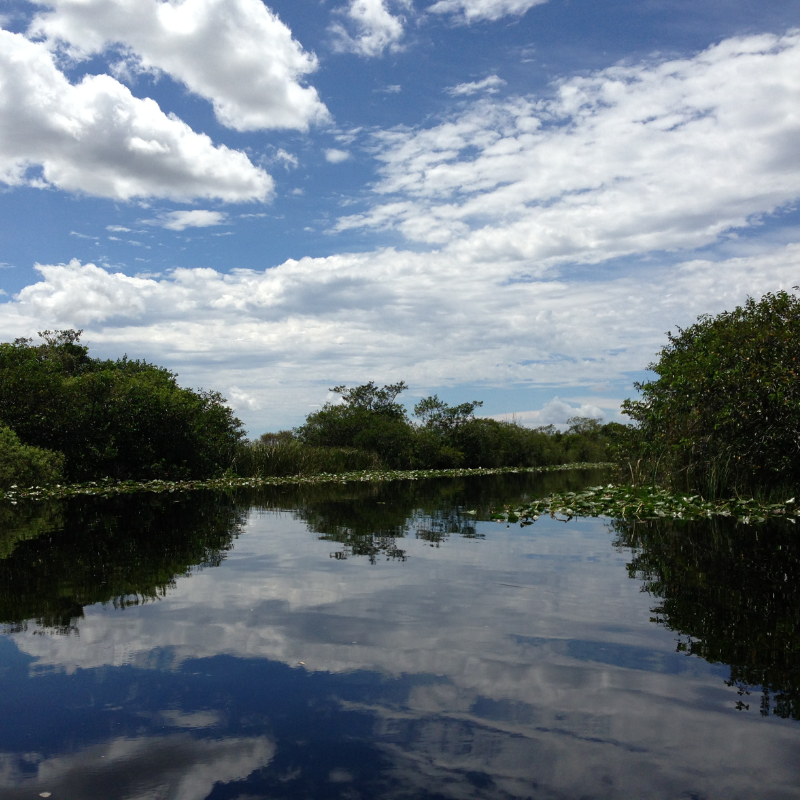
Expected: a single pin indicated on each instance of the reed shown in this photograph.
(282, 458)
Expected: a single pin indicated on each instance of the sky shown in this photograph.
(501, 200)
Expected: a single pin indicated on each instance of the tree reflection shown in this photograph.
(58, 558)
(373, 519)
(122, 550)
(734, 592)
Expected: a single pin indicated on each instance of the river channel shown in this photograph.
(387, 640)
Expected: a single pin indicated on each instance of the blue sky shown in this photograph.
(508, 200)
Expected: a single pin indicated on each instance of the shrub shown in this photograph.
(26, 466)
(724, 413)
(123, 418)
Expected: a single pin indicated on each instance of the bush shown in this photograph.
(26, 466)
(124, 419)
(724, 413)
(368, 418)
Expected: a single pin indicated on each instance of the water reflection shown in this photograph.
(56, 559)
(733, 591)
(487, 662)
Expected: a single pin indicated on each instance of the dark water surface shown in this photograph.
(383, 641)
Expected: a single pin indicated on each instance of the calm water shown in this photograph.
(380, 641)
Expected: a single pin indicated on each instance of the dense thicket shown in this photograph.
(724, 413)
(122, 419)
(370, 418)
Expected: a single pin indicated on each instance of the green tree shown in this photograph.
(436, 415)
(724, 412)
(123, 419)
(26, 466)
(368, 418)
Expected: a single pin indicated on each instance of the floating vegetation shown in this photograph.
(109, 488)
(627, 502)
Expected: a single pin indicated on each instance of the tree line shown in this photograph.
(66, 416)
(720, 416)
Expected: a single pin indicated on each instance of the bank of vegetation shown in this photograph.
(720, 419)
(69, 418)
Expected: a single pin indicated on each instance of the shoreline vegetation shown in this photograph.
(109, 488)
(646, 503)
(719, 423)
(69, 418)
(610, 500)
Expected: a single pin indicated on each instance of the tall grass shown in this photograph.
(281, 458)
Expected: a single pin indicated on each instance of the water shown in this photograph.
(380, 641)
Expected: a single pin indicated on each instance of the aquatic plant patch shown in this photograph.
(108, 488)
(627, 502)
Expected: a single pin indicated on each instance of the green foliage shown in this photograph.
(123, 418)
(447, 437)
(370, 398)
(436, 415)
(368, 418)
(282, 457)
(26, 466)
(724, 412)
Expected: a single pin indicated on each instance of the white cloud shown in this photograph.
(432, 319)
(181, 220)
(288, 160)
(336, 156)
(490, 85)
(118, 229)
(374, 28)
(554, 412)
(476, 10)
(628, 160)
(235, 53)
(96, 137)
(240, 399)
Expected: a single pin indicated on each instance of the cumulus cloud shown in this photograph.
(240, 399)
(335, 156)
(469, 11)
(181, 220)
(628, 160)
(490, 85)
(555, 412)
(431, 319)
(96, 137)
(371, 28)
(236, 53)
